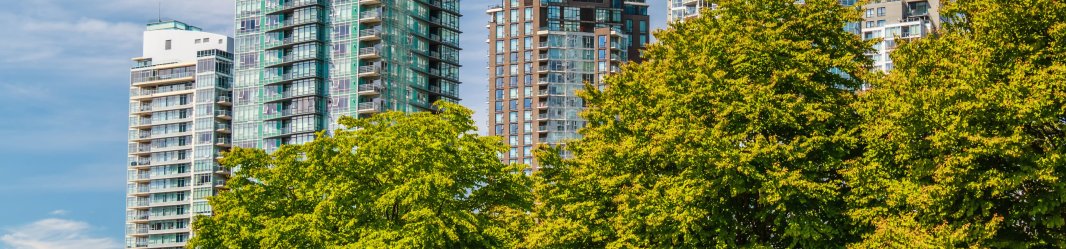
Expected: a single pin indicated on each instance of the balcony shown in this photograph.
(545, 93)
(288, 24)
(140, 163)
(224, 114)
(139, 192)
(169, 216)
(290, 94)
(542, 117)
(369, 89)
(369, 2)
(289, 60)
(142, 217)
(222, 142)
(141, 150)
(146, 94)
(139, 230)
(542, 105)
(288, 42)
(224, 100)
(140, 177)
(370, 107)
(287, 77)
(223, 128)
(165, 79)
(223, 170)
(369, 71)
(370, 17)
(284, 113)
(142, 203)
(452, 7)
(291, 5)
(168, 230)
(369, 53)
(370, 35)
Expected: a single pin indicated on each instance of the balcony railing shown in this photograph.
(165, 77)
(223, 113)
(369, 33)
(222, 127)
(287, 77)
(288, 41)
(369, 69)
(373, 15)
(371, 51)
(289, 59)
(147, 92)
(369, 106)
(289, 94)
(223, 99)
(291, 5)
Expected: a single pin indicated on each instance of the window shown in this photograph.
(167, 45)
(881, 11)
(869, 12)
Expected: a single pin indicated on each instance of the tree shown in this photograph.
(730, 133)
(393, 180)
(965, 136)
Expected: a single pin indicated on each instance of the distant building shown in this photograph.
(679, 10)
(896, 20)
(179, 123)
(303, 64)
(541, 53)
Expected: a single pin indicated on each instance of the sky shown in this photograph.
(64, 75)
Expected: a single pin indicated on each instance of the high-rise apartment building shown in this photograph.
(896, 20)
(892, 20)
(179, 123)
(302, 64)
(679, 10)
(542, 52)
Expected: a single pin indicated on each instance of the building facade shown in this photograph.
(895, 21)
(542, 52)
(303, 64)
(179, 123)
(679, 10)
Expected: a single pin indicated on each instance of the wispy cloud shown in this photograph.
(59, 212)
(55, 234)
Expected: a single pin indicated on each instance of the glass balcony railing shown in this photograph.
(164, 77)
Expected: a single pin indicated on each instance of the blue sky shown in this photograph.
(64, 72)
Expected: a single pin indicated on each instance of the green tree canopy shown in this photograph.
(394, 180)
(966, 142)
(730, 133)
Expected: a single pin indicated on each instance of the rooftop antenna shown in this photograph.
(159, 8)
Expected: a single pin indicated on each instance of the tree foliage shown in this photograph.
(966, 135)
(741, 128)
(730, 133)
(391, 181)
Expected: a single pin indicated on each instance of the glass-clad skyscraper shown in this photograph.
(179, 123)
(303, 64)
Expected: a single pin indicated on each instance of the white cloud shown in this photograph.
(55, 234)
(59, 212)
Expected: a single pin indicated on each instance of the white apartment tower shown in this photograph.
(179, 123)
(894, 21)
(679, 10)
